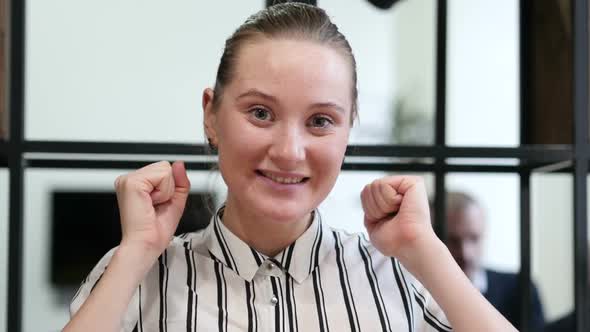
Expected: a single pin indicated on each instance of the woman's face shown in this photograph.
(282, 127)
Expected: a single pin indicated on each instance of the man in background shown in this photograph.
(466, 227)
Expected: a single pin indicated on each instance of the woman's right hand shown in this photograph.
(151, 201)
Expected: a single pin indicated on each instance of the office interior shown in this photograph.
(485, 97)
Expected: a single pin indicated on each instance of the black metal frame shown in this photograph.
(18, 154)
(581, 156)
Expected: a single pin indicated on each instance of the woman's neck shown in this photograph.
(268, 237)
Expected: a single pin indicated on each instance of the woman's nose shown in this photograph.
(288, 148)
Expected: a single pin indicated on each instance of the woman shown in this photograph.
(279, 116)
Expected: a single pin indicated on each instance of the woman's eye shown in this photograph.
(261, 114)
(321, 122)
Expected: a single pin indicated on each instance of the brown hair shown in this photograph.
(286, 20)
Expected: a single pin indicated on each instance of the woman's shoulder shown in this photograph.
(187, 238)
(350, 239)
(177, 243)
(186, 241)
(358, 245)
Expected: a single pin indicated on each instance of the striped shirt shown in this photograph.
(327, 280)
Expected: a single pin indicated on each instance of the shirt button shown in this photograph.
(270, 266)
(274, 300)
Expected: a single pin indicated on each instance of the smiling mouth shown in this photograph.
(283, 179)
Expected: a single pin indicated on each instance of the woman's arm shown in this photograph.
(106, 305)
(465, 307)
(398, 222)
(151, 201)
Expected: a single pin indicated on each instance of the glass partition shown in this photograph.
(552, 242)
(483, 73)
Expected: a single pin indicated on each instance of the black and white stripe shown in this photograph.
(140, 318)
(345, 285)
(315, 250)
(191, 282)
(163, 287)
(257, 257)
(378, 297)
(317, 285)
(289, 289)
(277, 290)
(291, 305)
(227, 254)
(429, 317)
(221, 296)
(320, 301)
(405, 293)
(251, 308)
(287, 256)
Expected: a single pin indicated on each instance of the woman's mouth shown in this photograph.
(283, 179)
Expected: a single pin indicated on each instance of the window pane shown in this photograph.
(51, 276)
(123, 70)
(552, 241)
(395, 56)
(483, 73)
(4, 195)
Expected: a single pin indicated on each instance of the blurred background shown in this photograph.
(134, 71)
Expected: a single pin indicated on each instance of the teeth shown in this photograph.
(280, 179)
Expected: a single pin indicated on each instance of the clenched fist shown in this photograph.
(151, 201)
(397, 215)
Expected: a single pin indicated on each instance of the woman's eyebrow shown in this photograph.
(273, 99)
(257, 93)
(335, 106)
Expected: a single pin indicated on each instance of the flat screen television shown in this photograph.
(85, 225)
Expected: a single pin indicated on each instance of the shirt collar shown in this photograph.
(299, 259)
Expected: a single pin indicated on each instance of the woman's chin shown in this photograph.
(285, 215)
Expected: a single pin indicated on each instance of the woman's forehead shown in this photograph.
(279, 66)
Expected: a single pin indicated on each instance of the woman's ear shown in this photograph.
(209, 116)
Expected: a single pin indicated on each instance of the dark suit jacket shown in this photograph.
(503, 294)
(564, 324)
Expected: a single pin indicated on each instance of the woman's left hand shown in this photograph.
(397, 216)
